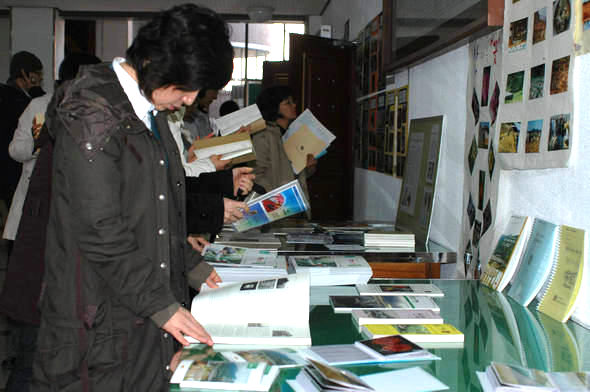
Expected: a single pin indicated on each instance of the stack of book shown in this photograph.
(331, 270)
(237, 264)
(392, 240)
(425, 334)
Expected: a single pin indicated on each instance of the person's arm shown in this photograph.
(204, 212)
(104, 238)
(215, 182)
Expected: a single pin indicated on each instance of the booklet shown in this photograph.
(232, 122)
(428, 290)
(395, 316)
(388, 349)
(306, 135)
(417, 333)
(279, 203)
(225, 255)
(225, 375)
(273, 311)
(343, 304)
(237, 148)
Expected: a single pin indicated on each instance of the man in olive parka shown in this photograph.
(117, 260)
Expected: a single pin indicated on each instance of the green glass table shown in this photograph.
(495, 327)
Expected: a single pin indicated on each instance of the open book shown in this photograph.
(237, 147)
(271, 312)
(306, 135)
(232, 122)
(279, 203)
(504, 260)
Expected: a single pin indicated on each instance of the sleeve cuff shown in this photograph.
(198, 275)
(161, 317)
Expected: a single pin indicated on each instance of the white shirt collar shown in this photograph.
(140, 104)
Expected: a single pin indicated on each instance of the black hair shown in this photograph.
(68, 68)
(186, 46)
(270, 99)
(228, 107)
(26, 62)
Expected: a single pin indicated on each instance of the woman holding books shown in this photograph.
(273, 167)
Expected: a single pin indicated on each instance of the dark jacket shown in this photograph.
(117, 260)
(20, 296)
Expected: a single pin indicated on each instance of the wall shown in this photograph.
(111, 38)
(358, 12)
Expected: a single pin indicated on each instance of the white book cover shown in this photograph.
(395, 316)
(428, 290)
(232, 122)
(235, 256)
(225, 375)
(272, 312)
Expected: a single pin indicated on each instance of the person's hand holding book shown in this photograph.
(243, 179)
(183, 323)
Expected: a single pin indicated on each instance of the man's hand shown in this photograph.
(183, 323)
(36, 128)
(232, 210)
(213, 279)
(219, 163)
(191, 156)
(244, 129)
(243, 179)
(197, 242)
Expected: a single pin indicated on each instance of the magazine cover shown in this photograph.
(280, 203)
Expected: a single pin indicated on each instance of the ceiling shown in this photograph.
(235, 7)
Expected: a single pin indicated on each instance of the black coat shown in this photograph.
(117, 259)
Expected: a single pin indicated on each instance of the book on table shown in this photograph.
(417, 333)
(387, 349)
(413, 379)
(274, 311)
(536, 264)
(232, 122)
(238, 264)
(284, 201)
(506, 256)
(236, 147)
(559, 295)
(320, 376)
(331, 270)
(305, 135)
(499, 377)
(382, 238)
(416, 289)
(395, 316)
(344, 304)
(225, 375)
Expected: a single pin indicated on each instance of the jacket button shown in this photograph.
(163, 265)
(167, 368)
(162, 163)
(162, 231)
(165, 335)
(162, 197)
(88, 146)
(183, 304)
(178, 184)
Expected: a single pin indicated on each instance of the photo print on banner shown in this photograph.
(481, 183)
(537, 69)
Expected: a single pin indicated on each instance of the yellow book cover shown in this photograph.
(417, 333)
(558, 296)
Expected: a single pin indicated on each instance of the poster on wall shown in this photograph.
(481, 177)
(582, 26)
(536, 100)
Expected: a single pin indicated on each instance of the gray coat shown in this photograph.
(273, 167)
(117, 260)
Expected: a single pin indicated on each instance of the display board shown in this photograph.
(419, 182)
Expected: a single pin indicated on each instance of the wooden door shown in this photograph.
(322, 77)
(275, 73)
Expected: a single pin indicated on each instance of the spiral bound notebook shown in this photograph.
(536, 263)
(560, 293)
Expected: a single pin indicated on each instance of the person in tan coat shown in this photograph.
(273, 167)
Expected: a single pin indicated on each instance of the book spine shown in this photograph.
(547, 285)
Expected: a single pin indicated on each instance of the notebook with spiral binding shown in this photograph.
(536, 263)
(560, 293)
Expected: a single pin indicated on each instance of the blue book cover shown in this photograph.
(537, 262)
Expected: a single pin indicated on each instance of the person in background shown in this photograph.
(19, 300)
(23, 84)
(117, 262)
(228, 107)
(273, 167)
(196, 117)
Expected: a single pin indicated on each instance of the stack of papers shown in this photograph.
(390, 239)
(250, 239)
(237, 148)
(236, 264)
(329, 270)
